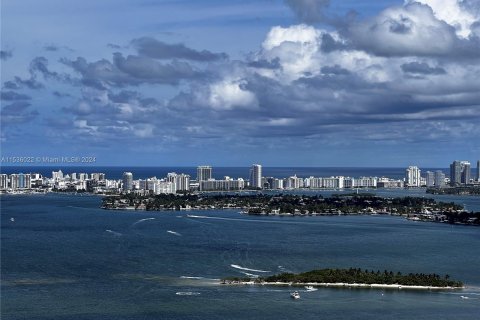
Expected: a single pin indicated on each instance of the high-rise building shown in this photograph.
(127, 181)
(439, 179)
(183, 182)
(412, 176)
(478, 170)
(204, 173)
(430, 178)
(466, 172)
(57, 175)
(460, 172)
(3, 181)
(256, 176)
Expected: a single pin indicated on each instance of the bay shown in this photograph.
(64, 258)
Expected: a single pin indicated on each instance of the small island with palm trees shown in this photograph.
(354, 278)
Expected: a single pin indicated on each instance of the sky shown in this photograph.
(386, 83)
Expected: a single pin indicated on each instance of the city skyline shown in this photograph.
(460, 175)
(282, 83)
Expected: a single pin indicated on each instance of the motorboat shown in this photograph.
(310, 288)
(295, 295)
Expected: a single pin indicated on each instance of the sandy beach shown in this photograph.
(342, 285)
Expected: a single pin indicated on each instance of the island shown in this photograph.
(353, 278)
(459, 190)
(413, 208)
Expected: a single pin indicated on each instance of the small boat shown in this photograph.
(295, 295)
(464, 297)
(310, 288)
(12, 219)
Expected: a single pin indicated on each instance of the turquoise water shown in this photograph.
(63, 258)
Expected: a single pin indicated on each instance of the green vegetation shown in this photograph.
(464, 217)
(359, 276)
(266, 204)
(472, 190)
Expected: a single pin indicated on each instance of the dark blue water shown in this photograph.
(218, 172)
(60, 262)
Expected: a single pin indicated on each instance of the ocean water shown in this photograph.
(64, 258)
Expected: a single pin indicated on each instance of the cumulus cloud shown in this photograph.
(410, 30)
(156, 49)
(461, 14)
(407, 73)
(230, 94)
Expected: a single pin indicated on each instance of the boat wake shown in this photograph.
(187, 293)
(142, 220)
(250, 275)
(283, 269)
(249, 220)
(174, 233)
(116, 234)
(198, 217)
(236, 266)
(188, 277)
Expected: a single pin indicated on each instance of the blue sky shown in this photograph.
(230, 83)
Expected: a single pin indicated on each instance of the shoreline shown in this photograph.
(340, 285)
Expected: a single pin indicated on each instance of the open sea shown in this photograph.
(64, 258)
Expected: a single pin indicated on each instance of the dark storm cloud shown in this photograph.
(114, 46)
(265, 64)
(421, 68)
(59, 94)
(123, 96)
(5, 54)
(12, 95)
(17, 113)
(12, 85)
(150, 70)
(51, 47)
(39, 65)
(401, 26)
(329, 44)
(132, 70)
(309, 11)
(335, 70)
(156, 49)
(19, 83)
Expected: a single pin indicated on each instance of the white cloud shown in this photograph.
(453, 13)
(295, 47)
(143, 130)
(229, 94)
(405, 30)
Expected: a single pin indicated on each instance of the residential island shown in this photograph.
(353, 278)
(414, 208)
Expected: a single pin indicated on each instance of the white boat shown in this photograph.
(295, 295)
(310, 288)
